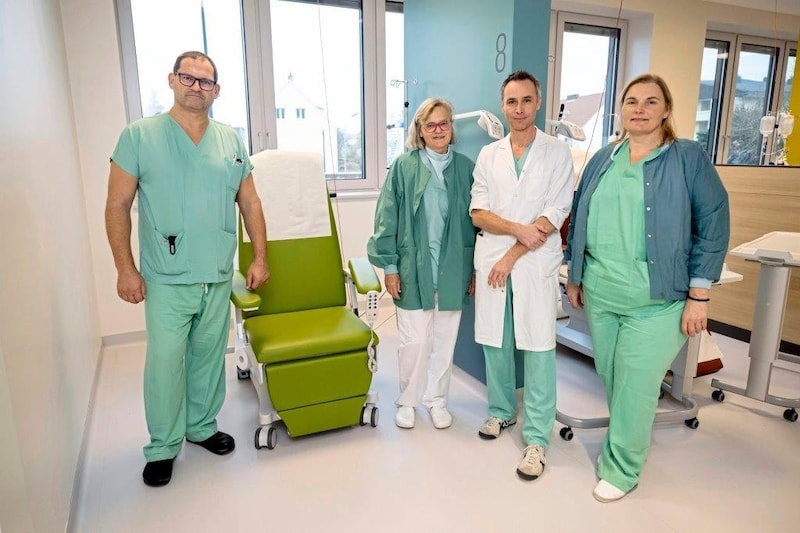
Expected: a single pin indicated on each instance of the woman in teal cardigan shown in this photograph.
(648, 234)
(424, 241)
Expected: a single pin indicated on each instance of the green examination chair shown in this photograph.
(299, 338)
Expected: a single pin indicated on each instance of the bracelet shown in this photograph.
(690, 297)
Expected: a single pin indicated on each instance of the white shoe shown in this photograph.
(605, 492)
(441, 417)
(405, 417)
(493, 426)
(532, 464)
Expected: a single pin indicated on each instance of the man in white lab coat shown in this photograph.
(521, 196)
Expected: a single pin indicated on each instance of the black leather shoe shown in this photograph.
(158, 473)
(219, 443)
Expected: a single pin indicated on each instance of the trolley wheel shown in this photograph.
(718, 395)
(373, 418)
(362, 421)
(790, 415)
(692, 423)
(566, 433)
(242, 375)
(266, 439)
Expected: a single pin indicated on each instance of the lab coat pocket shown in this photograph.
(483, 253)
(407, 265)
(164, 254)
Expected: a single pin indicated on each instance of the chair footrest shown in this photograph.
(323, 417)
(313, 381)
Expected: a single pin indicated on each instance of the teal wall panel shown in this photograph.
(451, 51)
(462, 50)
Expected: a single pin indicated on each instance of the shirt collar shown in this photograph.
(661, 149)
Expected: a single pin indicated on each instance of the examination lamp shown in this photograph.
(567, 129)
(487, 121)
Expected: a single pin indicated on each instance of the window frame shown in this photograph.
(559, 20)
(736, 42)
(261, 85)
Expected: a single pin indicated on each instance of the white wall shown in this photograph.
(95, 73)
(49, 332)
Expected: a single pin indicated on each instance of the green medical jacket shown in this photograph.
(401, 233)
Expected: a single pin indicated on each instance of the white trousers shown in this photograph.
(425, 355)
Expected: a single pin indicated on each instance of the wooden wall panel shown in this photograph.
(762, 199)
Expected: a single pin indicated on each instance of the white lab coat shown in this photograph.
(544, 188)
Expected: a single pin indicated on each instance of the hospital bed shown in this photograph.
(299, 338)
(575, 334)
(777, 252)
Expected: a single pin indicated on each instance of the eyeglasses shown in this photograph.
(188, 80)
(444, 125)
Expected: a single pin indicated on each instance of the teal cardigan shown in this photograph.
(686, 214)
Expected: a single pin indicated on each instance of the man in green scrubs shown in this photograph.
(189, 172)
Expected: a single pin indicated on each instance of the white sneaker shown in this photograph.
(532, 464)
(441, 417)
(605, 492)
(405, 417)
(491, 428)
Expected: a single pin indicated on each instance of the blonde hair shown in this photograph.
(424, 110)
(668, 124)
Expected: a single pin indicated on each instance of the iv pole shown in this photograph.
(404, 83)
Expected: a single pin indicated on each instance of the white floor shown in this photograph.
(739, 471)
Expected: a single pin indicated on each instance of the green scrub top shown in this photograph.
(434, 198)
(616, 255)
(187, 194)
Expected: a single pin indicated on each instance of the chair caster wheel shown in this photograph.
(242, 375)
(718, 395)
(566, 433)
(790, 415)
(266, 439)
(369, 415)
(692, 423)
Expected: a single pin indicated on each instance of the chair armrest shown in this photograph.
(364, 276)
(241, 296)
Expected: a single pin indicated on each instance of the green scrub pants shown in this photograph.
(634, 345)
(539, 389)
(184, 379)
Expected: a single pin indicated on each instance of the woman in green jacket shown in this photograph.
(424, 241)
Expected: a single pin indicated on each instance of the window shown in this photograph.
(586, 73)
(320, 59)
(743, 78)
(150, 42)
(317, 64)
(712, 84)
